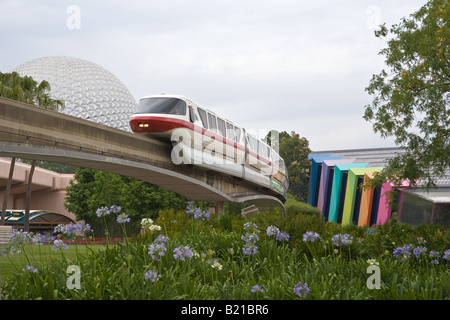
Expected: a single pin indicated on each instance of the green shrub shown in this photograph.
(296, 207)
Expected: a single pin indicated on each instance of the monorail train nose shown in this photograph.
(139, 125)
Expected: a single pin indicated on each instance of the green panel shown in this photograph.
(350, 192)
(336, 188)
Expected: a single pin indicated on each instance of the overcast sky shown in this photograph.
(289, 65)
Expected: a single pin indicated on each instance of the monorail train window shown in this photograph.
(263, 149)
(212, 122)
(230, 131)
(252, 143)
(221, 127)
(268, 151)
(203, 117)
(237, 134)
(191, 114)
(161, 105)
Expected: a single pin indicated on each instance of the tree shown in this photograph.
(26, 89)
(411, 101)
(295, 151)
(92, 189)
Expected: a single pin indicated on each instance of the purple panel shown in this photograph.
(323, 187)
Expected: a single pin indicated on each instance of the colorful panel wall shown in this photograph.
(335, 188)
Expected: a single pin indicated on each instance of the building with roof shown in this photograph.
(48, 193)
(335, 188)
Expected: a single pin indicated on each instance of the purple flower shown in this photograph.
(123, 218)
(197, 212)
(434, 254)
(161, 239)
(59, 245)
(342, 239)
(301, 289)
(447, 255)
(418, 251)
(250, 237)
(403, 252)
(30, 268)
(257, 288)
(250, 226)
(182, 253)
(190, 208)
(249, 248)
(282, 236)
(272, 231)
(310, 236)
(152, 275)
(103, 212)
(18, 241)
(73, 229)
(156, 250)
(114, 209)
(83, 227)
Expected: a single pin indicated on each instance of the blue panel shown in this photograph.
(315, 174)
(375, 205)
(326, 206)
(342, 196)
(313, 177)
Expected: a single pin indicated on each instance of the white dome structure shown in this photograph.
(89, 91)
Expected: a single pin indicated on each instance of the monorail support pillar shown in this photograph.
(217, 207)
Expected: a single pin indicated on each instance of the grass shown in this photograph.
(219, 269)
(40, 256)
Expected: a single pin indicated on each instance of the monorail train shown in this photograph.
(201, 137)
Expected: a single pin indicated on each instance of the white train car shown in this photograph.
(201, 137)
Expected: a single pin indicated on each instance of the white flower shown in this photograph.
(216, 265)
(154, 227)
(145, 222)
(372, 262)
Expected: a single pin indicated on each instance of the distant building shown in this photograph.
(335, 180)
(48, 193)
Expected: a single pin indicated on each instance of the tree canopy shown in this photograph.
(295, 151)
(411, 100)
(26, 89)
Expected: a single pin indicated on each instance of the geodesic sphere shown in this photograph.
(89, 91)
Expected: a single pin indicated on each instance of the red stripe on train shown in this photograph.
(162, 124)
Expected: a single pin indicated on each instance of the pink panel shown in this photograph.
(384, 210)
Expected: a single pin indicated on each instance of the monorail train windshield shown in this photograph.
(161, 105)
